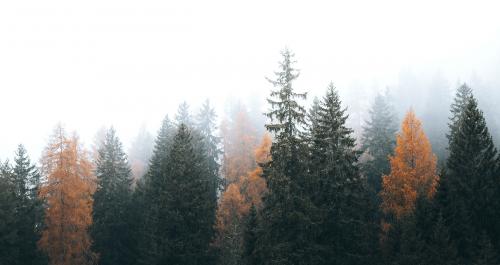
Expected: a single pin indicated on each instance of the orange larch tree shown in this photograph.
(67, 191)
(235, 204)
(239, 141)
(413, 170)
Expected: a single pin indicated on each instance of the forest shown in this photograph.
(293, 185)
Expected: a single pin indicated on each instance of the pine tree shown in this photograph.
(249, 257)
(9, 250)
(486, 253)
(378, 141)
(287, 227)
(339, 191)
(146, 200)
(462, 96)
(68, 195)
(188, 208)
(440, 249)
(183, 115)
(110, 230)
(29, 209)
(470, 186)
(206, 127)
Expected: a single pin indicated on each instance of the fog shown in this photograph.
(127, 64)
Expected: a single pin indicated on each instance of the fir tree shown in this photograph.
(462, 96)
(147, 199)
(206, 127)
(29, 209)
(189, 201)
(470, 187)
(9, 250)
(110, 230)
(347, 231)
(378, 141)
(287, 226)
(183, 115)
(249, 256)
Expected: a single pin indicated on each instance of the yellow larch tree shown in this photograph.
(413, 170)
(67, 191)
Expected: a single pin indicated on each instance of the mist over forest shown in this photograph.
(260, 133)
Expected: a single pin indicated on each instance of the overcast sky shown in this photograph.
(124, 63)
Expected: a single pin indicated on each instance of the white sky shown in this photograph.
(124, 63)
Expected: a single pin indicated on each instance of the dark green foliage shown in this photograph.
(206, 128)
(21, 211)
(462, 96)
(288, 226)
(378, 141)
(9, 250)
(189, 202)
(111, 227)
(249, 256)
(147, 200)
(26, 179)
(347, 229)
(486, 253)
(469, 192)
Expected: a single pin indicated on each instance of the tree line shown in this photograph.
(304, 192)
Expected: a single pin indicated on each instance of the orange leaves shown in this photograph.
(413, 170)
(67, 191)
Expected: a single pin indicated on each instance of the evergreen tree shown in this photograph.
(183, 115)
(486, 254)
(206, 127)
(189, 202)
(9, 250)
(287, 226)
(147, 202)
(439, 249)
(462, 96)
(347, 232)
(470, 187)
(110, 230)
(378, 141)
(29, 209)
(249, 256)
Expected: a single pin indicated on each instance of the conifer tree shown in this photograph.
(339, 191)
(378, 141)
(287, 225)
(147, 199)
(462, 96)
(111, 230)
(67, 192)
(9, 239)
(29, 209)
(413, 170)
(187, 215)
(249, 256)
(183, 115)
(469, 193)
(207, 129)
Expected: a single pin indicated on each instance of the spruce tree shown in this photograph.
(9, 239)
(147, 200)
(206, 127)
(378, 141)
(111, 230)
(249, 256)
(29, 209)
(183, 115)
(347, 230)
(188, 202)
(462, 96)
(287, 227)
(470, 187)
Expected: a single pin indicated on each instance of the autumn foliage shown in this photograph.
(67, 192)
(413, 170)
